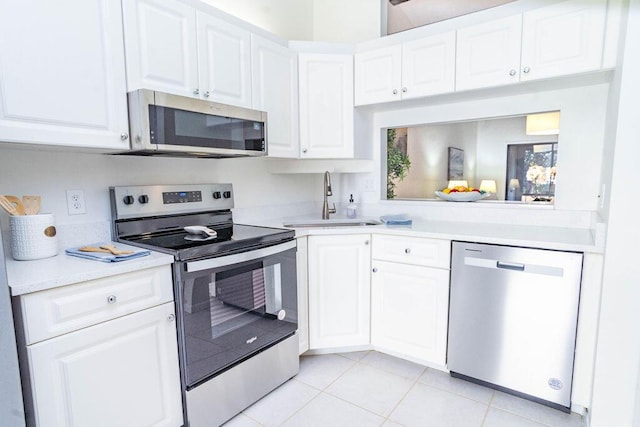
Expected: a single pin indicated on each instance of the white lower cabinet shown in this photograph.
(119, 373)
(409, 309)
(102, 352)
(339, 290)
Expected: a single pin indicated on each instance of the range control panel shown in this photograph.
(150, 200)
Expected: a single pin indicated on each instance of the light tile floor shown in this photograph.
(373, 389)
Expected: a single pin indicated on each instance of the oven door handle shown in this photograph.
(224, 261)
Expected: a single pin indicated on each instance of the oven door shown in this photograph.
(232, 307)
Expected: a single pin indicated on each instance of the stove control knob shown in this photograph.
(143, 199)
(227, 194)
(216, 194)
(128, 200)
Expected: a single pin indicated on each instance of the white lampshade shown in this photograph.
(488, 186)
(543, 123)
(514, 183)
(456, 183)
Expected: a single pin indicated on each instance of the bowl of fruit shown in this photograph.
(461, 193)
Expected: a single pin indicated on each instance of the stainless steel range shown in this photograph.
(235, 293)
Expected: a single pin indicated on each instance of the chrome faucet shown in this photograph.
(326, 210)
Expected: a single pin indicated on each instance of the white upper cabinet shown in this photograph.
(326, 105)
(275, 90)
(161, 46)
(428, 66)
(62, 74)
(563, 39)
(172, 47)
(224, 57)
(560, 39)
(417, 68)
(378, 75)
(489, 54)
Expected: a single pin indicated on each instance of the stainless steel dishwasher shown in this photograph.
(512, 319)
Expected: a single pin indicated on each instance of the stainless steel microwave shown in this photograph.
(162, 124)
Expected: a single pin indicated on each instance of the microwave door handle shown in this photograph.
(206, 264)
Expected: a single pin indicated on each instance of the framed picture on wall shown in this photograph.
(456, 164)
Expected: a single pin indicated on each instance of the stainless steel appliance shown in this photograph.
(162, 124)
(11, 404)
(235, 289)
(512, 319)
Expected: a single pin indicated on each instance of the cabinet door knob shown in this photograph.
(395, 91)
(171, 317)
(404, 89)
(375, 269)
(111, 299)
(124, 136)
(366, 242)
(512, 72)
(206, 93)
(407, 251)
(526, 69)
(304, 150)
(196, 91)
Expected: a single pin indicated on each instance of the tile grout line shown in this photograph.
(416, 381)
(486, 412)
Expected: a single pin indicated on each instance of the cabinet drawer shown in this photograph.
(412, 250)
(58, 311)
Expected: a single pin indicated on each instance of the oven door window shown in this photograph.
(231, 312)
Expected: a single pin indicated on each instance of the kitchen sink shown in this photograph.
(332, 223)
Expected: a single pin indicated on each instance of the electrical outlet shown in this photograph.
(75, 202)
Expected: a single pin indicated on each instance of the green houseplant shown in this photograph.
(398, 163)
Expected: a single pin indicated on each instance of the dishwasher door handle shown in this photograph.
(509, 266)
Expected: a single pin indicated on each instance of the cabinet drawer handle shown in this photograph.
(395, 91)
(375, 269)
(526, 70)
(171, 317)
(111, 299)
(407, 251)
(512, 72)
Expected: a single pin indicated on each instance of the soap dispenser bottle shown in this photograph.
(351, 207)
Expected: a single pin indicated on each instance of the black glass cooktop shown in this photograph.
(230, 239)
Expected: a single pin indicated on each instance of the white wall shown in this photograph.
(289, 19)
(318, 20)
(615, 395)
(258, 193)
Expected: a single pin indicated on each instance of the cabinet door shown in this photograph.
(62, 76)
(409, 309)
(428, 66)
(160, 45)
(224, 54)
(119, 373)
(339, 292)
(489, 54)
(378, 75)
(326, 105)
(564, 38)
(275, 90)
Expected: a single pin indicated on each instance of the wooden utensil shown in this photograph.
(31, 204)
(115, 250)
(107, 249)
(9, 207)
(19, 208)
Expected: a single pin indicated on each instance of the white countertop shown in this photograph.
(31, 276)
(557, 238)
